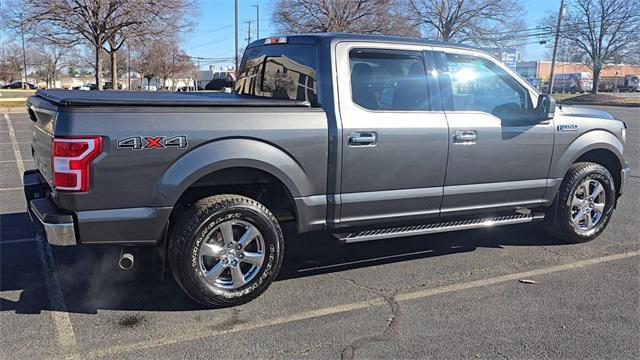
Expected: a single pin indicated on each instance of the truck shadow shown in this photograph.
(91, 280)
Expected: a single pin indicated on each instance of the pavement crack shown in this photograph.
(390, 333)
(552, 251)
(300, 352)
(497, 352)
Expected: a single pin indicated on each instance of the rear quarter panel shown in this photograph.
(127, 178)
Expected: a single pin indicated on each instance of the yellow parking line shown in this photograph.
(61, 320)
(197, 333)
(16, 148)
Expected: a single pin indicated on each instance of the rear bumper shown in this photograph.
(59, 226)
(126, 226)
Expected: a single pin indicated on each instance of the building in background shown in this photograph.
(541, 69)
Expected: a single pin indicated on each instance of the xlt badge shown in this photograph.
(153, 142)
(568, 127)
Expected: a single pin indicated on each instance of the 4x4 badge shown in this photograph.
(153, 142)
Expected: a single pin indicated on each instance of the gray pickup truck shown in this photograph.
(366, 137)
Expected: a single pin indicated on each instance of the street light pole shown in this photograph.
(236, 36)
(555, 48)
(24, 54)
(257, 21)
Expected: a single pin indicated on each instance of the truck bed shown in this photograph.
(67, 98)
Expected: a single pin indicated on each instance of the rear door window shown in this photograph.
(286, 71)
(388, 80)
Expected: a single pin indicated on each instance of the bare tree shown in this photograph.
(11, 65)
(98, 22)
(605, 30)
(50, 60)
(482, 22)
(167, 61)
(358, 16)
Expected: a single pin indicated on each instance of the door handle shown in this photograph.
(465, 136)
(363, 139)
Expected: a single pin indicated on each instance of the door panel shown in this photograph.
(393, 161)
(499, 154)
(505, 167)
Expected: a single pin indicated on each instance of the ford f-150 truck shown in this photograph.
(366, 137)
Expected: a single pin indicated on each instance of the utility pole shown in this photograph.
(257, 21)
(248, 33)
(24, 54)
(129, 67)
(236, 36)
(555, 48)
(198, 72)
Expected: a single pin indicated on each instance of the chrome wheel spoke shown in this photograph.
(253, 258)
(597, 190)
(589, 220)
(237, 276)
(599, 207)
(248, 236)
(578, 217)
(585, 189)
(226, 230)
(212, 275)
(210, 250)
(577, 202)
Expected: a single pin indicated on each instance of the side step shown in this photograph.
(434, 228)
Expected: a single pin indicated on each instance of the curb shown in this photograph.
(597, 104)
(9, 110)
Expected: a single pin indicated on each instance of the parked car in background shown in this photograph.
(18, 85)
(86, 87)
(221, 80)
(629, 83)
(150, 88)
(107, 86)
(573, 82)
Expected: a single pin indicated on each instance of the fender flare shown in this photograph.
(592, 140)
(230, 153)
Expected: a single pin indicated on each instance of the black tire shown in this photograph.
(578, 173)
(198, 223)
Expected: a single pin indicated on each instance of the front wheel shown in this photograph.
(226, 250)
(585, 202)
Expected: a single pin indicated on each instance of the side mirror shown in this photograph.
(546, 107)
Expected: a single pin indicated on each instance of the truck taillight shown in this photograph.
(71, 161)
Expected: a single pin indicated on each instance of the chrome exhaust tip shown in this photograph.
(126, 261)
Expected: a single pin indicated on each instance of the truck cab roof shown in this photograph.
(312, 39)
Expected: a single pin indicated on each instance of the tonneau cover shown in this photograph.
(151, 98)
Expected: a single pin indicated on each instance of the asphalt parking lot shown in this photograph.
(455, 295)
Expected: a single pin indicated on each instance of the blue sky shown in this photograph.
(213, 37)
(213, 34)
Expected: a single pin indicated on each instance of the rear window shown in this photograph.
(286, 72)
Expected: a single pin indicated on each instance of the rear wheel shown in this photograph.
(585, 202)
(226, 250)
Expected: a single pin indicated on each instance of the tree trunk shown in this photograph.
(98, 67)
(596, 78)
(114, 70)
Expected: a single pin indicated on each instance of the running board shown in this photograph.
(435, 228)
